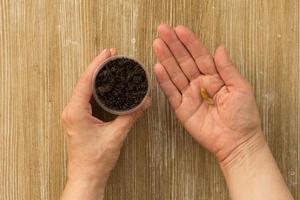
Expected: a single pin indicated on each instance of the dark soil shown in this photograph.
(121, 84)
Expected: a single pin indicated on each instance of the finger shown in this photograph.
(168, 61)
(126, 121)
(83, 90)
(113, 51)
(201, 55)
(183, 57)
(167, 86)
(226, 69)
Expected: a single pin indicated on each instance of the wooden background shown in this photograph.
(45, 46)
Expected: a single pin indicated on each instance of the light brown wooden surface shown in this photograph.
(45, 46)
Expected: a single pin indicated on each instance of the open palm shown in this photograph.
(185, 68)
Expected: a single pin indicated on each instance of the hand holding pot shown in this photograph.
(93, 145)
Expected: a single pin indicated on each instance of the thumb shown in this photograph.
(226, 69)
(126, 121)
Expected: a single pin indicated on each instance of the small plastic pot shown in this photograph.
(99, 98)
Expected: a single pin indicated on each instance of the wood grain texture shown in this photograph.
(46, 45)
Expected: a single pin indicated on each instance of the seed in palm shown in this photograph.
(205, 96)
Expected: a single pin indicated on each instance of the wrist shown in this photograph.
(84, 176)
(87, 177)
(83, 188)
(245, 151)
(252, 173)
(85, 182)
(78, 170)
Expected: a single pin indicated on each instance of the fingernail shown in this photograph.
(225, 49)
(103, 51)
(178, 26)
(147, 104)
(112, 51)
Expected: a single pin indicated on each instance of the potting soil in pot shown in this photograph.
(121, 84)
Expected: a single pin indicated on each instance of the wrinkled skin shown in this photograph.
(185, 66)
(227, 125)
(93, 145)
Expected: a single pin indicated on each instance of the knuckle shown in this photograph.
(64, 116)
(125, 125)
(68, 117)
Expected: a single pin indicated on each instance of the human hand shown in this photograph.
(185, 70)
(93, 145)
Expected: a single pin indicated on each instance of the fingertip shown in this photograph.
(104, 53)
(158, 46)
(157, 68)
(156, 42)
(113, 51)
(226, 68)
(220, 49)
(162, 27)
(167, 33)
(182, 34)
(222, 56)
(186, 35)
(147, 103)
(217, 53)
(222, 46)
(180, 28)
